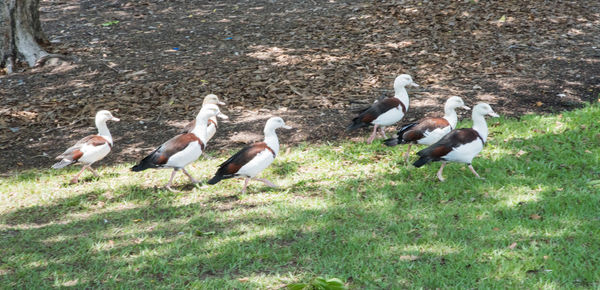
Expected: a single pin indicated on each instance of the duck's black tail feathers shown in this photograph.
(392, 141)
(215, 179)
(356, 124)
(62, 163)
(422, 161)
(146, 163)
(398, 139)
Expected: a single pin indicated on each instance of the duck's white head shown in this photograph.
(483, 109)
(212, 99)
(220, 114)
(456, 102)
(207, 113)
(104, 115)
(275, 123)
(404, 80)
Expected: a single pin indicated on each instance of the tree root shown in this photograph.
(42, 60)
(10, 63)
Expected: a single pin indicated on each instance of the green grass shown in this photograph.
(345, 210)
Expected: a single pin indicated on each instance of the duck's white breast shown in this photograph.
(390, 117)
(93, 153)
(211, 129)
(434, 136)
(465, 153)
(185, 156)
(261, 161)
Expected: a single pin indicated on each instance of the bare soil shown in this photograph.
(311, 62)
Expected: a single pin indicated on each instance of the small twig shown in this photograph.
(296, 91)
(110, 67)
(41, 156)
(51, 129)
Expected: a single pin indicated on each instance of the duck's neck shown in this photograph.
(480, 125)
(200, 128)
(450, 116)
(103, 130)
(401, 94)
(272, 140)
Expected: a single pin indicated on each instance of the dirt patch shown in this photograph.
(150, 62)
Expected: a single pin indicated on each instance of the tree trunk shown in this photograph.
(20, 33)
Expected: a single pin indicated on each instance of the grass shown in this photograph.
(345, 210)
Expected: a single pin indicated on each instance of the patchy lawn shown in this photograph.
(346, 210)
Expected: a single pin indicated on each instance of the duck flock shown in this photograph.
(446, 143)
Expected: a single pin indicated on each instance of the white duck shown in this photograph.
(253, 159)
(461, 145)
(429, 130)
(180, 150)
(210, 101)
(387, 111)
(90, 149)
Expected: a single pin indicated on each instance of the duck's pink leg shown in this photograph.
(382, 129)
(266, 181)
(168, 186)
(245, 185)
(75, 178)
(474, 172)
(439, 173)
(370, 140)
(192, 179)
(93, 171)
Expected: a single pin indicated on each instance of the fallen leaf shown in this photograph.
(409, 258)
(513, 245)
(520, 153)
(201, 233)
(539, 104)
(496, 229)
(245, 279)
(535, 217)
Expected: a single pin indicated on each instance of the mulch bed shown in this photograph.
(150, 62)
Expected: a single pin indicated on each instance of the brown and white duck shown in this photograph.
(429, 130)
(460, 145)
(387, 111)
(253, 159)
(90, 149)
(210, 101)
(180, 150)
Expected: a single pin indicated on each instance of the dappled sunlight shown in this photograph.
(434, 248)
(286, 56)
(528, 195)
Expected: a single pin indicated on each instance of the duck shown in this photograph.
(429, 130)
(210, 101)
(89, 149)
(460, 145)
(387, 111)
(180, 150)
(253, 159)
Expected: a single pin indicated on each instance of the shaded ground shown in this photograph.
(310, 62)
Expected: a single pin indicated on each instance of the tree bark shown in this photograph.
(20, 33)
